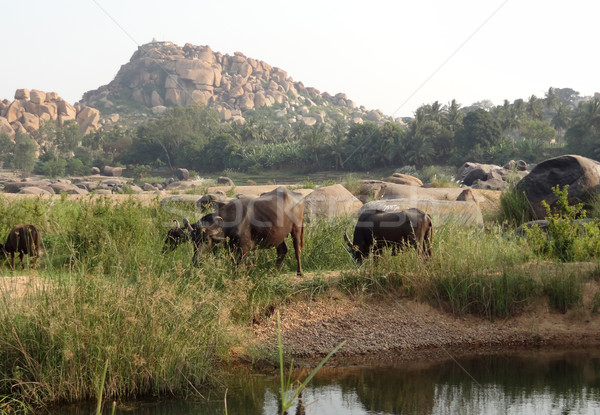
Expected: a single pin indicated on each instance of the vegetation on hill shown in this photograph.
(193, 137)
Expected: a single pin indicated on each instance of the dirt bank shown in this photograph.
(376, 327)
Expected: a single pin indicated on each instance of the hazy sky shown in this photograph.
(391, 55)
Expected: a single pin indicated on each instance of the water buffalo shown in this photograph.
(376, 229)
(24, 239)
(246, 223)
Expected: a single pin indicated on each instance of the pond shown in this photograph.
(557, 382)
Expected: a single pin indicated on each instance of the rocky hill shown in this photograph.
(30, 108)
(162, 74)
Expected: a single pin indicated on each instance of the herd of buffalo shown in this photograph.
(265, 222)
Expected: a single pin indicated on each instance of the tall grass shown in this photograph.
(164, 326)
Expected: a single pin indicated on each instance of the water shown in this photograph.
(534, 383)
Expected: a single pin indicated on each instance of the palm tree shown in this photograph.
(454, 116)
(561, 119)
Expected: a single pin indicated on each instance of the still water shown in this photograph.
(535, 383)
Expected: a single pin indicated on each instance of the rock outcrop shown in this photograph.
(30, 109)
(162, 74)
(580, 173)
(330, 202)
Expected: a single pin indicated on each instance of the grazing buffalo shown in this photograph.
(262, 222)
(24, 239)
(376, 229)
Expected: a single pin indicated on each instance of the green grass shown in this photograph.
(165, 327)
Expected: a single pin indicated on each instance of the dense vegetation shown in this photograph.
(160, 326)
(194, 138)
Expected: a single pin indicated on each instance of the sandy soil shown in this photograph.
(402, 328)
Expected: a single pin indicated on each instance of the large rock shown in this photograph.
(225, 181)
(67, 188)
(88, 118)
(468, 173)
(400, 178)
(330, 202)
(182, 174)
(16, 187)
(377, 189)
(580, 173)
(5, 128)
(112, 171)
(441, 211)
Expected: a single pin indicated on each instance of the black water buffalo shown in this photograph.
(24, 239)
(245, 223)
(376, 229)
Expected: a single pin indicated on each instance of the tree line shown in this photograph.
(193, 137)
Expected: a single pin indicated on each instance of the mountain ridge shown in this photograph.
(161, 74)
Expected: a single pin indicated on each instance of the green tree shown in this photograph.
(175, 136)
(24, 154)
(538, 130)
(479, 133)
(221, 152)
(583, 136)
(8, 150)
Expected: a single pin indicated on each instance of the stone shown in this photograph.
(407, 179)
(37, 97)
(441, 211)
(330, 202)
(22, 94)
(33, 190)
(222, 180)
(15, 111)
(112, 171)
(469, 172)
(580, 173)
(5, 128)
(466, 195)
(88, 118)
(30, 122)
(182, 174)
(95, 170)
(70, 189)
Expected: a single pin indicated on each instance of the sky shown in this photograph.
(389, 55)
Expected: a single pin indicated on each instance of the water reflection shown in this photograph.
(533, 383)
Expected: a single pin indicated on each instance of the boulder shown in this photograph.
(441, 211)
(112, 171)
(580, 173)
(400, 178)
(330, 202)
(33, 190)
(182, 174)
(95, 170)
(88, 118)
(377, 189)
(225, 181)
(466, 195)
(16, 187)
(469, 172)
(70, 189)
(6, 128)
(37, 97)
(22, 94)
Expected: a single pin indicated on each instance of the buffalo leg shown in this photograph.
(281, 251)
(298, 250)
